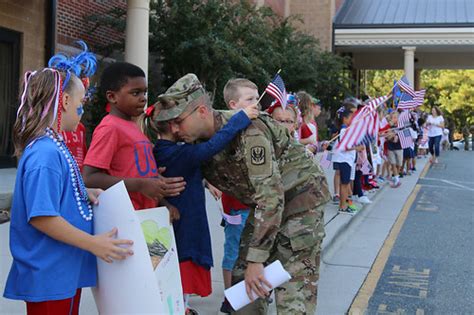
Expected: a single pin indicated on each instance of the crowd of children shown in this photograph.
(51, 222)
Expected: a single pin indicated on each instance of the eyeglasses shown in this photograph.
(180, 120)
(288, 122)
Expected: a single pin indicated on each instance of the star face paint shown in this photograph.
(80, 110)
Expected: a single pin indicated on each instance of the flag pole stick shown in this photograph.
(265, 91)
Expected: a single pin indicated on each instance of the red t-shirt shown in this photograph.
(230, 203)
(122, 150)
(309, 130)
(76, 142)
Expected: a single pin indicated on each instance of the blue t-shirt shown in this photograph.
(44, 269)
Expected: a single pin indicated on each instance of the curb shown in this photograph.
(339, 232)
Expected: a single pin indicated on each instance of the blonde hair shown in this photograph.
(36, 111)
(231, 88)
(305, 103)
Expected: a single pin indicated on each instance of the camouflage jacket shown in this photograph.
(263, 167)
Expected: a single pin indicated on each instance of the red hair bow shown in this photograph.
(149, 111)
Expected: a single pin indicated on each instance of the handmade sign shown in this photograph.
(149, 281)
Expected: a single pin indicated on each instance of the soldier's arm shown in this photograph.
(266, 180)
(198, 153)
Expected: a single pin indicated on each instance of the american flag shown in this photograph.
(405, 86)
(364, 126)
(326, 159)
(276, 88)
(409, 102)
(404, 135)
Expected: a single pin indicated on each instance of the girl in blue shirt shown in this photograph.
(51, 237)
(191, 229)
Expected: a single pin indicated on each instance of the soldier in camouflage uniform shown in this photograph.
(286, 191)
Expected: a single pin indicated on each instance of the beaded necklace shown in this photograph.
(80, 191)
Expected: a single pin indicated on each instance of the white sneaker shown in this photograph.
(364, 199)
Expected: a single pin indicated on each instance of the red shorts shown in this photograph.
(195, 279)
(59, 307)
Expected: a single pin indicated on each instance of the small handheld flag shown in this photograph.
(405, 86)
(277, 89)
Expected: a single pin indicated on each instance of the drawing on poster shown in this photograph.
(157, 239)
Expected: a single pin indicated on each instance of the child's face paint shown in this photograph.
(80, 110)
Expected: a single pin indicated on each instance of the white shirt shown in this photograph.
(433, 130)
(344, 156)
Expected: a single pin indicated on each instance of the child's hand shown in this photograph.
(360, 148)
(174, 213)
(252, 111)
(93, 194)
(159, 187)
(108, 248)
(216, 193)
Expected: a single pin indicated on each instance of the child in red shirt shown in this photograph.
(76, 143)
(119, 149)
(310, 109)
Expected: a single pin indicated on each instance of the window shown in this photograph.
(9, 80)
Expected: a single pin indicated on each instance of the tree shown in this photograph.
(218, 40)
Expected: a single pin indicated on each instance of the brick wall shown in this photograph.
(29, 19)
(71, 23)
(317, 16)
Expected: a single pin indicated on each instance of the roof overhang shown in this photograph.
(404, 37)
(382, 48)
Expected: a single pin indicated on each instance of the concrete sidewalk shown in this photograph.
(331, 286)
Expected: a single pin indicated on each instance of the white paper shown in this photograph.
(274, 273)
(231, 219)
(128, 286)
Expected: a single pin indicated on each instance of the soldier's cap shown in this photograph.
(182, 92)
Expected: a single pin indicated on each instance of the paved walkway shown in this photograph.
(334, 295)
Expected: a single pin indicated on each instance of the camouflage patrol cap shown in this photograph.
(182, 92)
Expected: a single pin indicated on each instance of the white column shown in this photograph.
(137, 33)
(260, 3)
(410, 64)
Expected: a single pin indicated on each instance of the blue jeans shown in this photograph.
(433, 145)
(232, 240)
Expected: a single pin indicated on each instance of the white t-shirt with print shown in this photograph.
(433, 130)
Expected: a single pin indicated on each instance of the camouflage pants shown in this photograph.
(300, 256)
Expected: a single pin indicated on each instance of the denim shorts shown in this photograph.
(232, 240)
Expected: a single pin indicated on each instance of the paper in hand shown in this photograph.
(275, 274)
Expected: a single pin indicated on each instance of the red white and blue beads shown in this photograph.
(79, 188)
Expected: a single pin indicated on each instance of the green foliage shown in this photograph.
(218, 40)
(451, 90)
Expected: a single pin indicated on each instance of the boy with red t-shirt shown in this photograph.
(119, 150)
(76, 143)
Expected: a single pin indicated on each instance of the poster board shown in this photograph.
(134, 285)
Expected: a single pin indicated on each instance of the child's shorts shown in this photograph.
(232, 240)
(408, 153)
(345, 171)
(395, 157)
(335, 166)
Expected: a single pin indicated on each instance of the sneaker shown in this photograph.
(396, 184)
(381, 179)
(353, 207)
(364, 200)
(190, 311)
(413, 169)
(347, 210)
(226, 308)
(335, 199)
